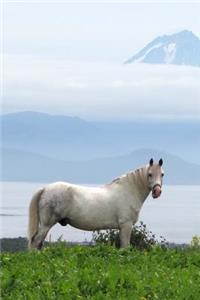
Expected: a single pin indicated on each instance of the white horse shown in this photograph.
(113, 206)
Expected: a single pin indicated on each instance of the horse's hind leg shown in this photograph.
(38, 239)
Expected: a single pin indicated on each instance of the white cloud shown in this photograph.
(100, 90)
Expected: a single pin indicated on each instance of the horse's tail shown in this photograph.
(34, 216)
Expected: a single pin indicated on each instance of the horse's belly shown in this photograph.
(90, 223)
(91, 211)
(91, 227)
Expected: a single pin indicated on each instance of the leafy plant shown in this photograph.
(141, 237)
(195, 243)
(101, 272)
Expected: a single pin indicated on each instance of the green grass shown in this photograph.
(101, 272)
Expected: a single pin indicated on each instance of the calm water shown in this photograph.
(176, 215)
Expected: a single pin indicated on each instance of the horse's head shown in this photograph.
(154, 176)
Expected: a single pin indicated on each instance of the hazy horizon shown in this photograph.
(150, 119)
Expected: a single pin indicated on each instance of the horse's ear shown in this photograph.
(151, 162)
(160, 162)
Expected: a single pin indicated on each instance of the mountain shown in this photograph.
(24, 166)
(51, 135)
(67, 138)
(182, 48)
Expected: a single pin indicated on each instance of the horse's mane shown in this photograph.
(133, 174)
(120, 178)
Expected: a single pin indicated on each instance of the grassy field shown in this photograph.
(101, 272)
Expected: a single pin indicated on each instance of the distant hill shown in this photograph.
(24, 166)
(68, 138)
(182, 48)
(50, 135)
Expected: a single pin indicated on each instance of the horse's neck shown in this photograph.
(139, 178)
(136, 182)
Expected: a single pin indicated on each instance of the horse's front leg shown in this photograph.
(125, 234)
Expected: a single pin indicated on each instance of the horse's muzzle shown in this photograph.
(156, 191)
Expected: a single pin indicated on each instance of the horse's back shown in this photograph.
(65, 194)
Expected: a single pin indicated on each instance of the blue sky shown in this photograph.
(68, 58)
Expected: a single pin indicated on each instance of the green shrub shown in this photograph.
(141, 237)
(195, 243)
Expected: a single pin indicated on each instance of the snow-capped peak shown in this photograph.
(170, 52)
(181, 48)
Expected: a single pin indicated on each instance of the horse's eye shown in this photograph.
(162, 174)
(150, 175)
